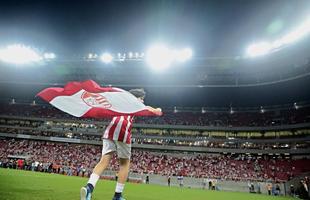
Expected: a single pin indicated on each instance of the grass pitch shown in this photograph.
(25, 185)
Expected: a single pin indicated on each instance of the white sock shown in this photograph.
(119, 187)
(93, 179)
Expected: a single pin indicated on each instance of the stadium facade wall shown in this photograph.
(189, 182)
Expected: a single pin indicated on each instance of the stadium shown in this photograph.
(228, 80)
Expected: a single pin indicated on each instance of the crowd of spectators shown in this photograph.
(217, 119)
(79, 159)
(158, 141)
(48, 133)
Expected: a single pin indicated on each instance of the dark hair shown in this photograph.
(139, 93)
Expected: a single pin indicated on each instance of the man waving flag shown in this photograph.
(88, 99)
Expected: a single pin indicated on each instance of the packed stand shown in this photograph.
(186, 142)
(77, 159)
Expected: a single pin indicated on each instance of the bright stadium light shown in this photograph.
(19, 54)
(262, 110)
(175, 110)
(130, 55)
(90, 56)
(296, 106)
(49, 56)
(106, 58)
(231, 111)
(203, 110)
(264, 48)
(297, 34)
(259, 49)
(159, 57)
(183, 55)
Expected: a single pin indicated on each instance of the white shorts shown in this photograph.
(123, 150)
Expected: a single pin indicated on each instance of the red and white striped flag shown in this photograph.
(88, 99)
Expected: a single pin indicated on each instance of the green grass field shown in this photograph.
(24, 185)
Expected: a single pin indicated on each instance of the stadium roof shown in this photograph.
(217, 31)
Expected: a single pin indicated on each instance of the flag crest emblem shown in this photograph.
(95, 100)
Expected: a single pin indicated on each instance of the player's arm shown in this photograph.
(156, 111)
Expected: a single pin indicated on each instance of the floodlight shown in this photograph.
(90, 56)
(203, 110)
(159, 57)
(50, 55)
(296, 106)
(259, 49)
(19, 54)
(183, 55)
(262, 110)
(137, 55)
(263, 48)
(130, 55)
(106, 58)
(175, 110)
(231, 111)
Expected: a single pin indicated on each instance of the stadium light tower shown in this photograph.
(159, 57)
(19, 54)
(106, 58)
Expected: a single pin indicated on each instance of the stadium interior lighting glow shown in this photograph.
(106, 58)
(130, 55)
(159, 57)
(49, 56)
(90, 56)
(203, 110)
(259, 49)
(297, 34)
(262, 110)
(184, 54)
(263, 48)
(175, 110)
(296, 106)
(19, 54)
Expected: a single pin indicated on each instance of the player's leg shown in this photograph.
(99, 168)
(124, 154)
(107, 149)
(122, 177)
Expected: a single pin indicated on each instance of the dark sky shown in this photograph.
(211, 28)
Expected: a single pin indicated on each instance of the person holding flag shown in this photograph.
(116, 138)
(88, 99)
